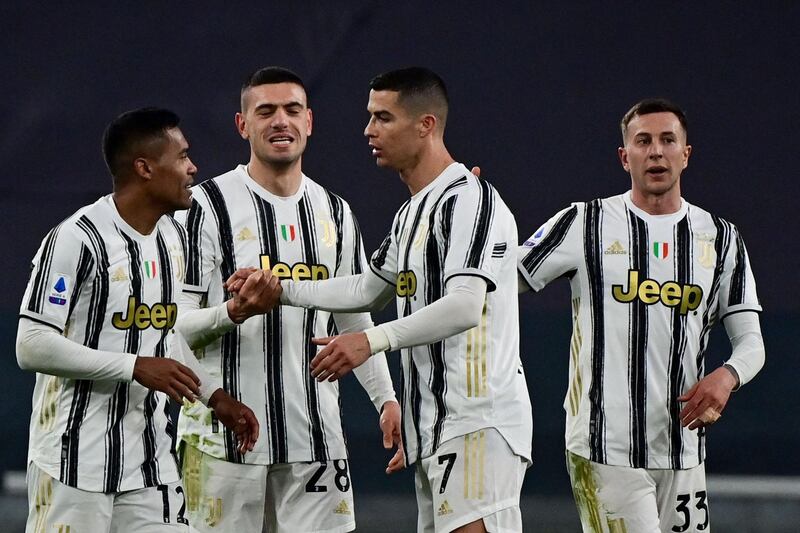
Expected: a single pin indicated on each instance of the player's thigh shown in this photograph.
(55, 507)
(422, 489)
(159, 509)
(683, 500)
(475, 476)
(222, 496)
(304, 497)
(612, 499)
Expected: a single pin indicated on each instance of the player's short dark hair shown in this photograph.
(420, 90)
(269, 76)
(652, 105)
(124, 136)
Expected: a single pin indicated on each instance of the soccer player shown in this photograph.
(449, 260)
(268, 214)
(650, 275)
(96, 324)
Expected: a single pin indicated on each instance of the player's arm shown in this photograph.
(458, 310)
(43, 349)
(233, 414)
(739, 307)
(361, 292)
(253, 292)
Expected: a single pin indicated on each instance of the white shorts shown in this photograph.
(470, 477)
(612, 499)
(292, 497)
(57, 508)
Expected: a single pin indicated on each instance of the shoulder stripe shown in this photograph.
(539, 253)
(42, 273)
(194, 239)
(483, 223)
(738, 278)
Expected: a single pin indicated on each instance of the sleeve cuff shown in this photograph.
(378, 340)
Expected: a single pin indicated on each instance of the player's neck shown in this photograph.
(657, 204)
(283, 181)
(426, 169)
(140, 214)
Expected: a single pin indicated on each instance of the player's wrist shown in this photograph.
(377, 339)
(234, 313)
(736, 380)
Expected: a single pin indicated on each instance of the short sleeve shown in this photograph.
(553, 250)
(475, 229)
(200, 246)
(737, 284)
(61, 266)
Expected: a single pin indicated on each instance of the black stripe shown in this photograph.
(85, 265)
(81, 393)
(637, 347)
(193, 257)
(537, 255)
(594, 271)
(319, 446)
(42, 272)
(483, 223)
(738, 278)
(229, 349)
(379, 257)
(358, 247)
(115, 437)
(275, 408)
(683, 275)
(434, 289)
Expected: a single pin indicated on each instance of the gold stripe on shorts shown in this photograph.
(474, 460)
(43, 499)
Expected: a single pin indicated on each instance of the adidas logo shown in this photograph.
(119, 275)
(444, 509)
(342, 508)
(245, 235)
(615, 249)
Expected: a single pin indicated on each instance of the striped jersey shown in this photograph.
(102, 284)
(264, 362)
(646, 291)
(458, 225)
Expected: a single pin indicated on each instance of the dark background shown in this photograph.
(537, 90)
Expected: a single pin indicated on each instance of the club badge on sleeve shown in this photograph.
(59, 289)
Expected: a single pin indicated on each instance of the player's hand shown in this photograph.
(340, 355)
(237, 417)
(390, 426)
(476, 170)
(237, 279)
(706, 400)
(168, 376)
(259, 293)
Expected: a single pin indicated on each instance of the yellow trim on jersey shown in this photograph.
(47, 414)
(474, 461)
(576, 387)
(477, 375)
(43, 499)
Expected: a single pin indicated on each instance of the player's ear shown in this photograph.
(623, 158)
(142, 168)
(426, 125)
(240, 125)
(687, 151)
(310, 122)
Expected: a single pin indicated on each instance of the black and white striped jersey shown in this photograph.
(103, 285)
(646, 291)
(458, 225)
(264, 362)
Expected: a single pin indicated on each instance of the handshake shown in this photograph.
(253, 292)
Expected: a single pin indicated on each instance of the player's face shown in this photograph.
(172, 172)
(392, 131)
(275, 118)
(655, 153)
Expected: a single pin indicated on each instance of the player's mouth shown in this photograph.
(281, 140)
(376, 150)
(657, 171)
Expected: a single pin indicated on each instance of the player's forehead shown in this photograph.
(654, 124)
(383, 101)
(274, 94)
